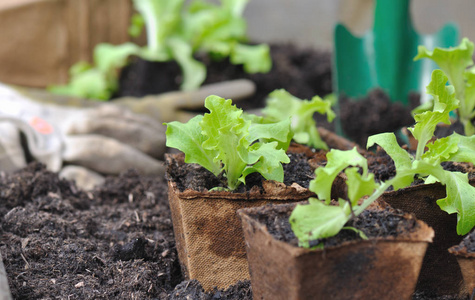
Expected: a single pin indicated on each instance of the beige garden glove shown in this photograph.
(105, 138)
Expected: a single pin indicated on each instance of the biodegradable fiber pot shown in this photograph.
(208, 232)
(466, 260)
(440, 273)
(378, 268)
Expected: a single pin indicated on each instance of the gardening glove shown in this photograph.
(104, 138)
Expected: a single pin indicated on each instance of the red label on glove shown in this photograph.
(41, 126)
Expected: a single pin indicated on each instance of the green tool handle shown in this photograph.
(395, 40)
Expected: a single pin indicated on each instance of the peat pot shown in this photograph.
(465, 254)
(378, 268)
(208, 232)
(440, 273)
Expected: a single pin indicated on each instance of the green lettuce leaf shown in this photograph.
(444, 103)
(194, 72)
(337, 161)
(226, 133)
(454, 62)
(359, 185)
(316, 221)
(266, 159)
(255, 59)
(282, 105)
(460, 194)
(187, 138)
(279, 132)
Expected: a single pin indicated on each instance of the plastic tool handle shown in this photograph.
(394, 40)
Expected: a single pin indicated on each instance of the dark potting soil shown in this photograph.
(468, 243)
(115, 242)
(375, 113)
(383, 168)
(381, 165)
(192, 289)
(442, 131)
(375, 224)
(302, 72)
(195, 177)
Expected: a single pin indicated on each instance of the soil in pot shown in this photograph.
(374, 224)
(347, 268)
(195, 177)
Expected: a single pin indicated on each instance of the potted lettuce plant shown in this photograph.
(241, 162)
(345, 249)
(442, 199)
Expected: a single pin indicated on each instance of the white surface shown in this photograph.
(311, 22)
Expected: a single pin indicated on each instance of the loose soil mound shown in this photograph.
(113, 243)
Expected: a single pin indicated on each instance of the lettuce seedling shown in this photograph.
(174, 32)
(319, 219)
(282, 105)
(223, 140)
(429, 155)
(457, 63)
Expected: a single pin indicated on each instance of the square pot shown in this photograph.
(466, 261)
(378, 268)
(440, 273)
(208, 232)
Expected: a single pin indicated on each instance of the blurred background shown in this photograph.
(311, 22)
(41, 39)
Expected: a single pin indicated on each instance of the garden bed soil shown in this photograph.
(303, 72)
(374, 113)
(115, 242)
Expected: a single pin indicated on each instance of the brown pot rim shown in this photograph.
(422, 234)
(461, 251)
(412, 188)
